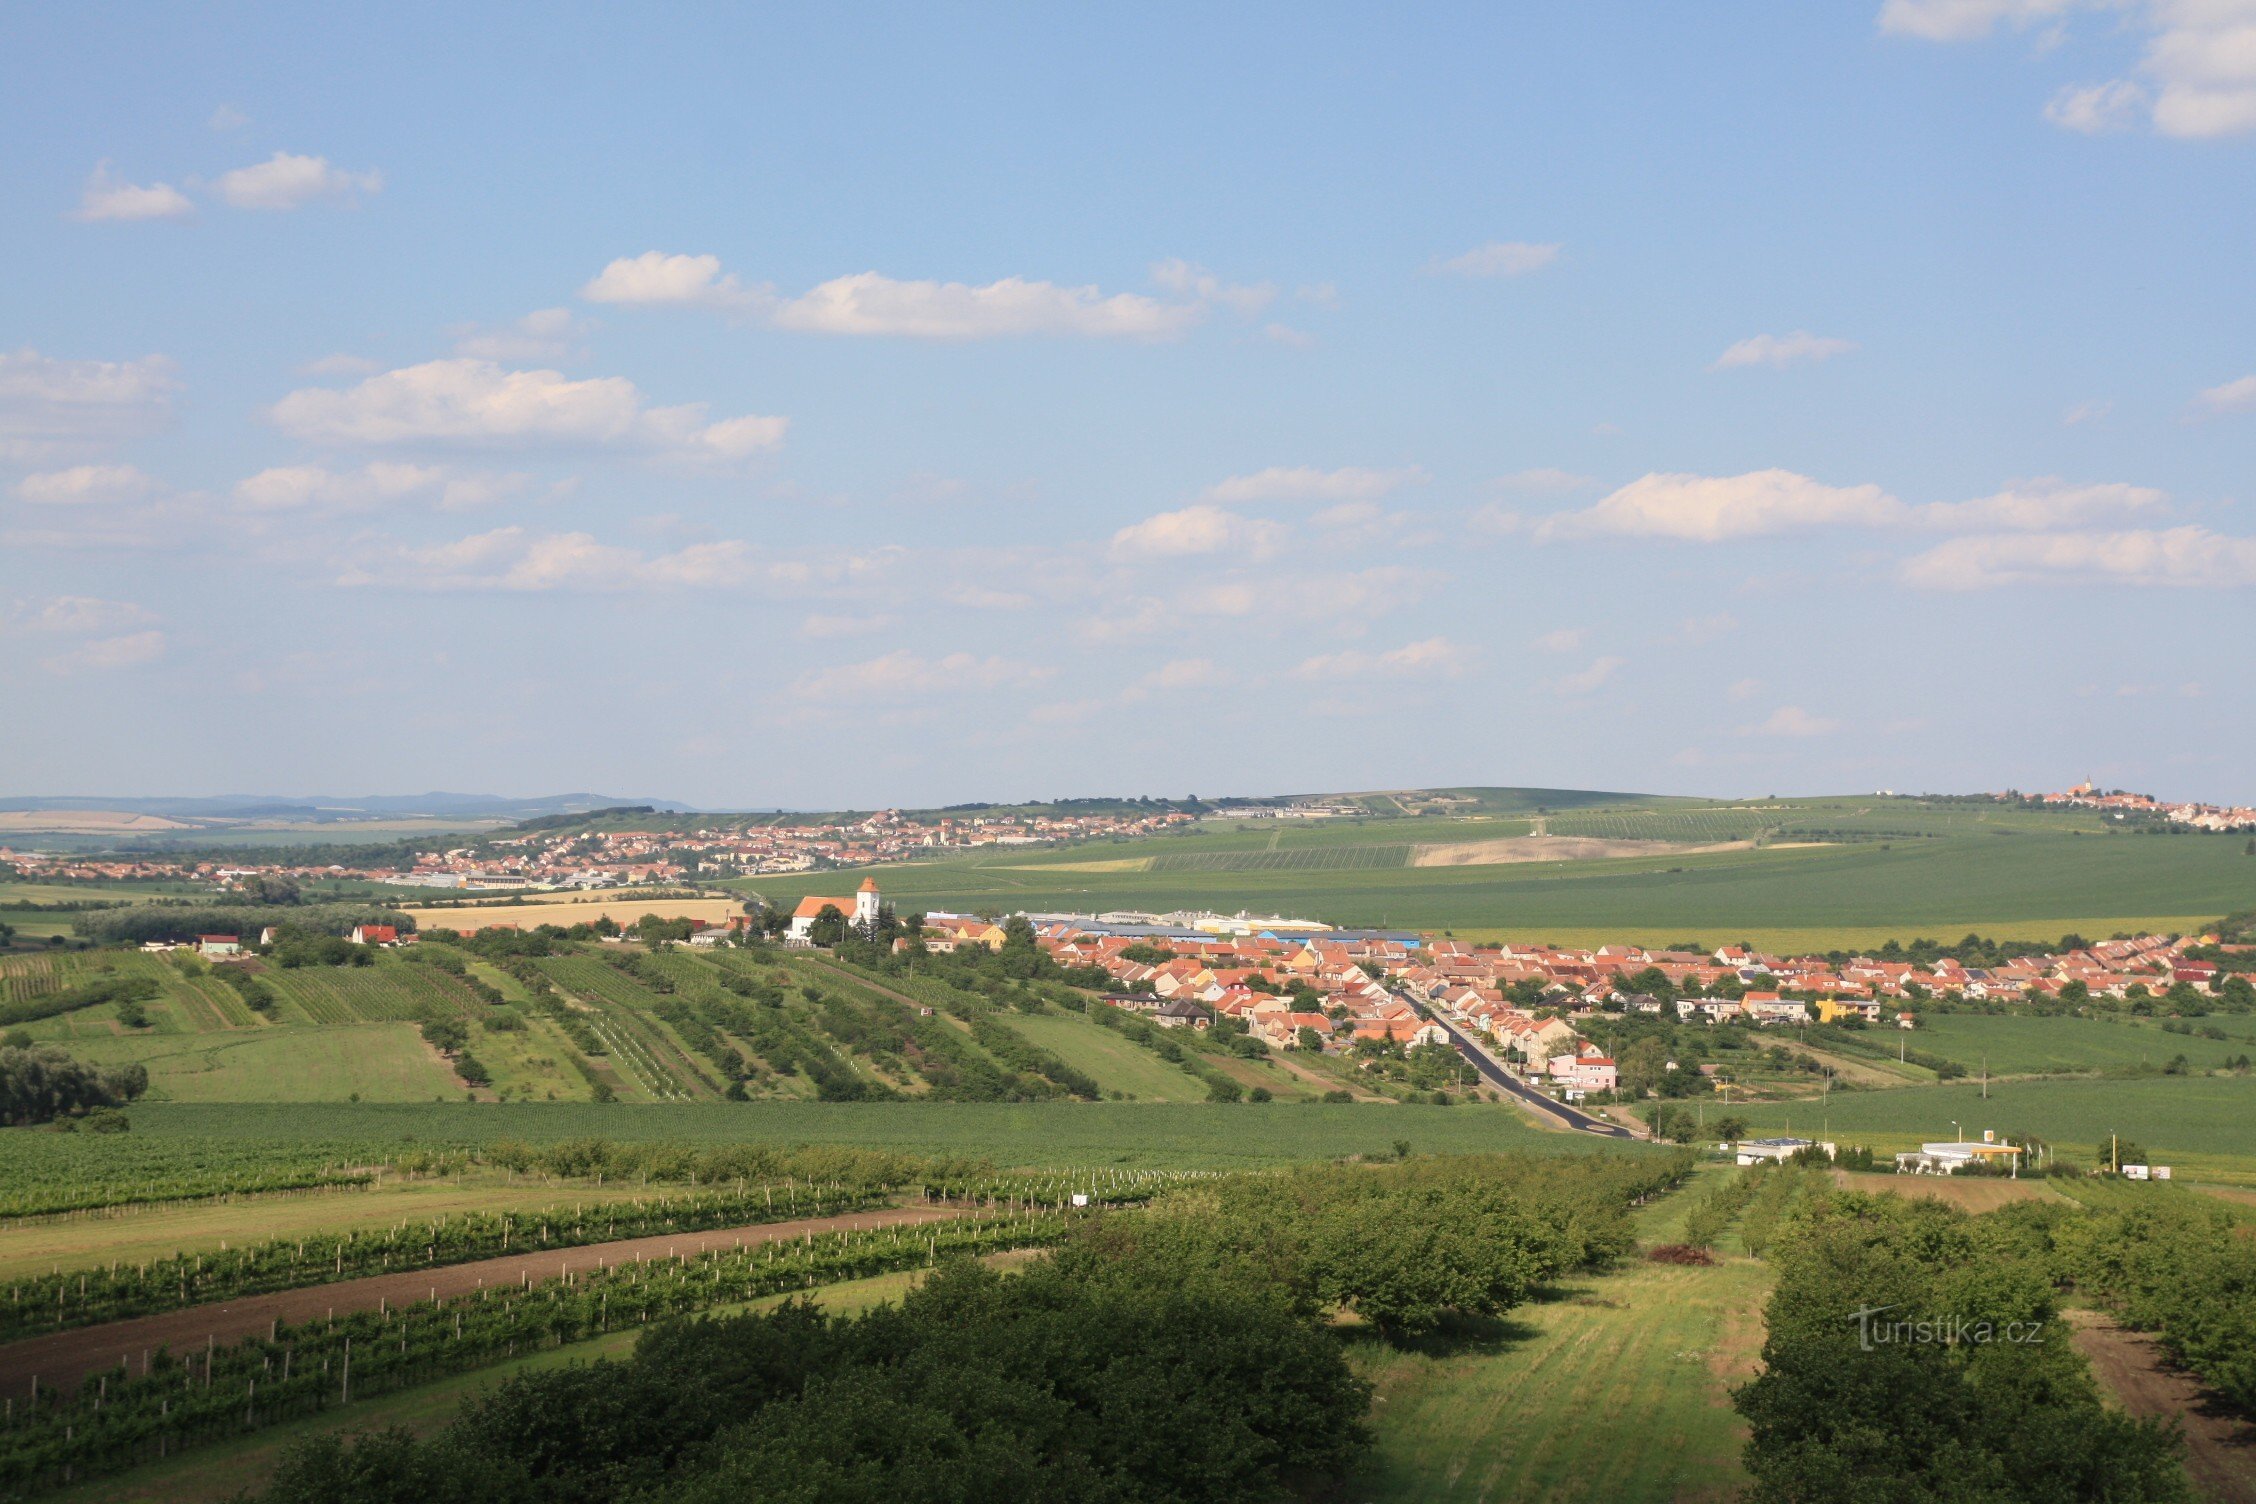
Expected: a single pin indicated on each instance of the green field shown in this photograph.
(1117, 1064)
(2205, 1124)
(1879, 869)
(1071, 1134)
(382, 1062)
(2016, 1045)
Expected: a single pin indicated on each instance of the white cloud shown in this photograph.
(2034, 506)
(76, 615)
(284, 181)
(985, 598)
(2096, 108)
(513, 559)
(902, 674)
(2196, 78)
(49, 405)
(2181, 556)
(821, 626)
(1288, 336)
(2089, 411)
(475, 402)
(1184, 278)
(1199, 529)
(1781, 350)
(1185, 674)
(1709, 509)
(1307, 483)
(655, 279)
(227, 118)
(1744, 689)
(869, 303)
(2232, 397)
(289, 487)
(1791, 720)
(107, 198)
(544, 334)
(1584, 681)
(1435, 657)
(101, 654)
(1500, 258)
(1965, 20)
(1705, 629)
(83, 483)
(1562, 639)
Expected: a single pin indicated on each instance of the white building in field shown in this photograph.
(860, 911)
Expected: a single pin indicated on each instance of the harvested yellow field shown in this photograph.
(568, 909)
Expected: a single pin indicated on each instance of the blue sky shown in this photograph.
(825, 407)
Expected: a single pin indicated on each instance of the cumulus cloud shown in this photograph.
(902, 674)
(655, 279)
(48, 406)
(1435, 657)
(2037, 505)
(1499, 258)
(1791, 720)
(1585, 681)
(2096, 108)
(517, 560)
(1198, 529)
(821, 626)
(1710, 509)
(1307, 483)
(291, 487)
(870, 303)
(2231, 397)
(2088, 411)
(102, 654)
(1562, 639)
(544, 334)
(464, 401)
(83, 483)
(2187, 557)
(2195, 79)
(1185, 674)
(76, 615)
(1966, 20)
(284, 181)
(1191, 281)
(1781, 350)
(106, 197)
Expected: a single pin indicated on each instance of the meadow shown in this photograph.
(1837, 874)
(2017, 1045)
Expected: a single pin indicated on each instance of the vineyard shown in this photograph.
(1288, 859)
(163, 1405)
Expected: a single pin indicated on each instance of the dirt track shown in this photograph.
(1541, 848)
(61, 1359)
(2220, 1447)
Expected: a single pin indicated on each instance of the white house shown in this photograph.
(860, 911)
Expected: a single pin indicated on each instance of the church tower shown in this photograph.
(865, 905)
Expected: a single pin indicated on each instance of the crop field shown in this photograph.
(381, 1062)
(2024, 884)
(2012, 1045)
(2206, 1125)
(1296, 859)
(557, 910)
(1133, 1135)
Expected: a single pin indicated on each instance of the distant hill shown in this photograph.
(226, 809)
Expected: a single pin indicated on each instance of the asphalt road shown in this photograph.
(1495, 1074)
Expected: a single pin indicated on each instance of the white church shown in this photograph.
(860, 911)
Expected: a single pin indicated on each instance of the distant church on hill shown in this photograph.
(860, 911)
